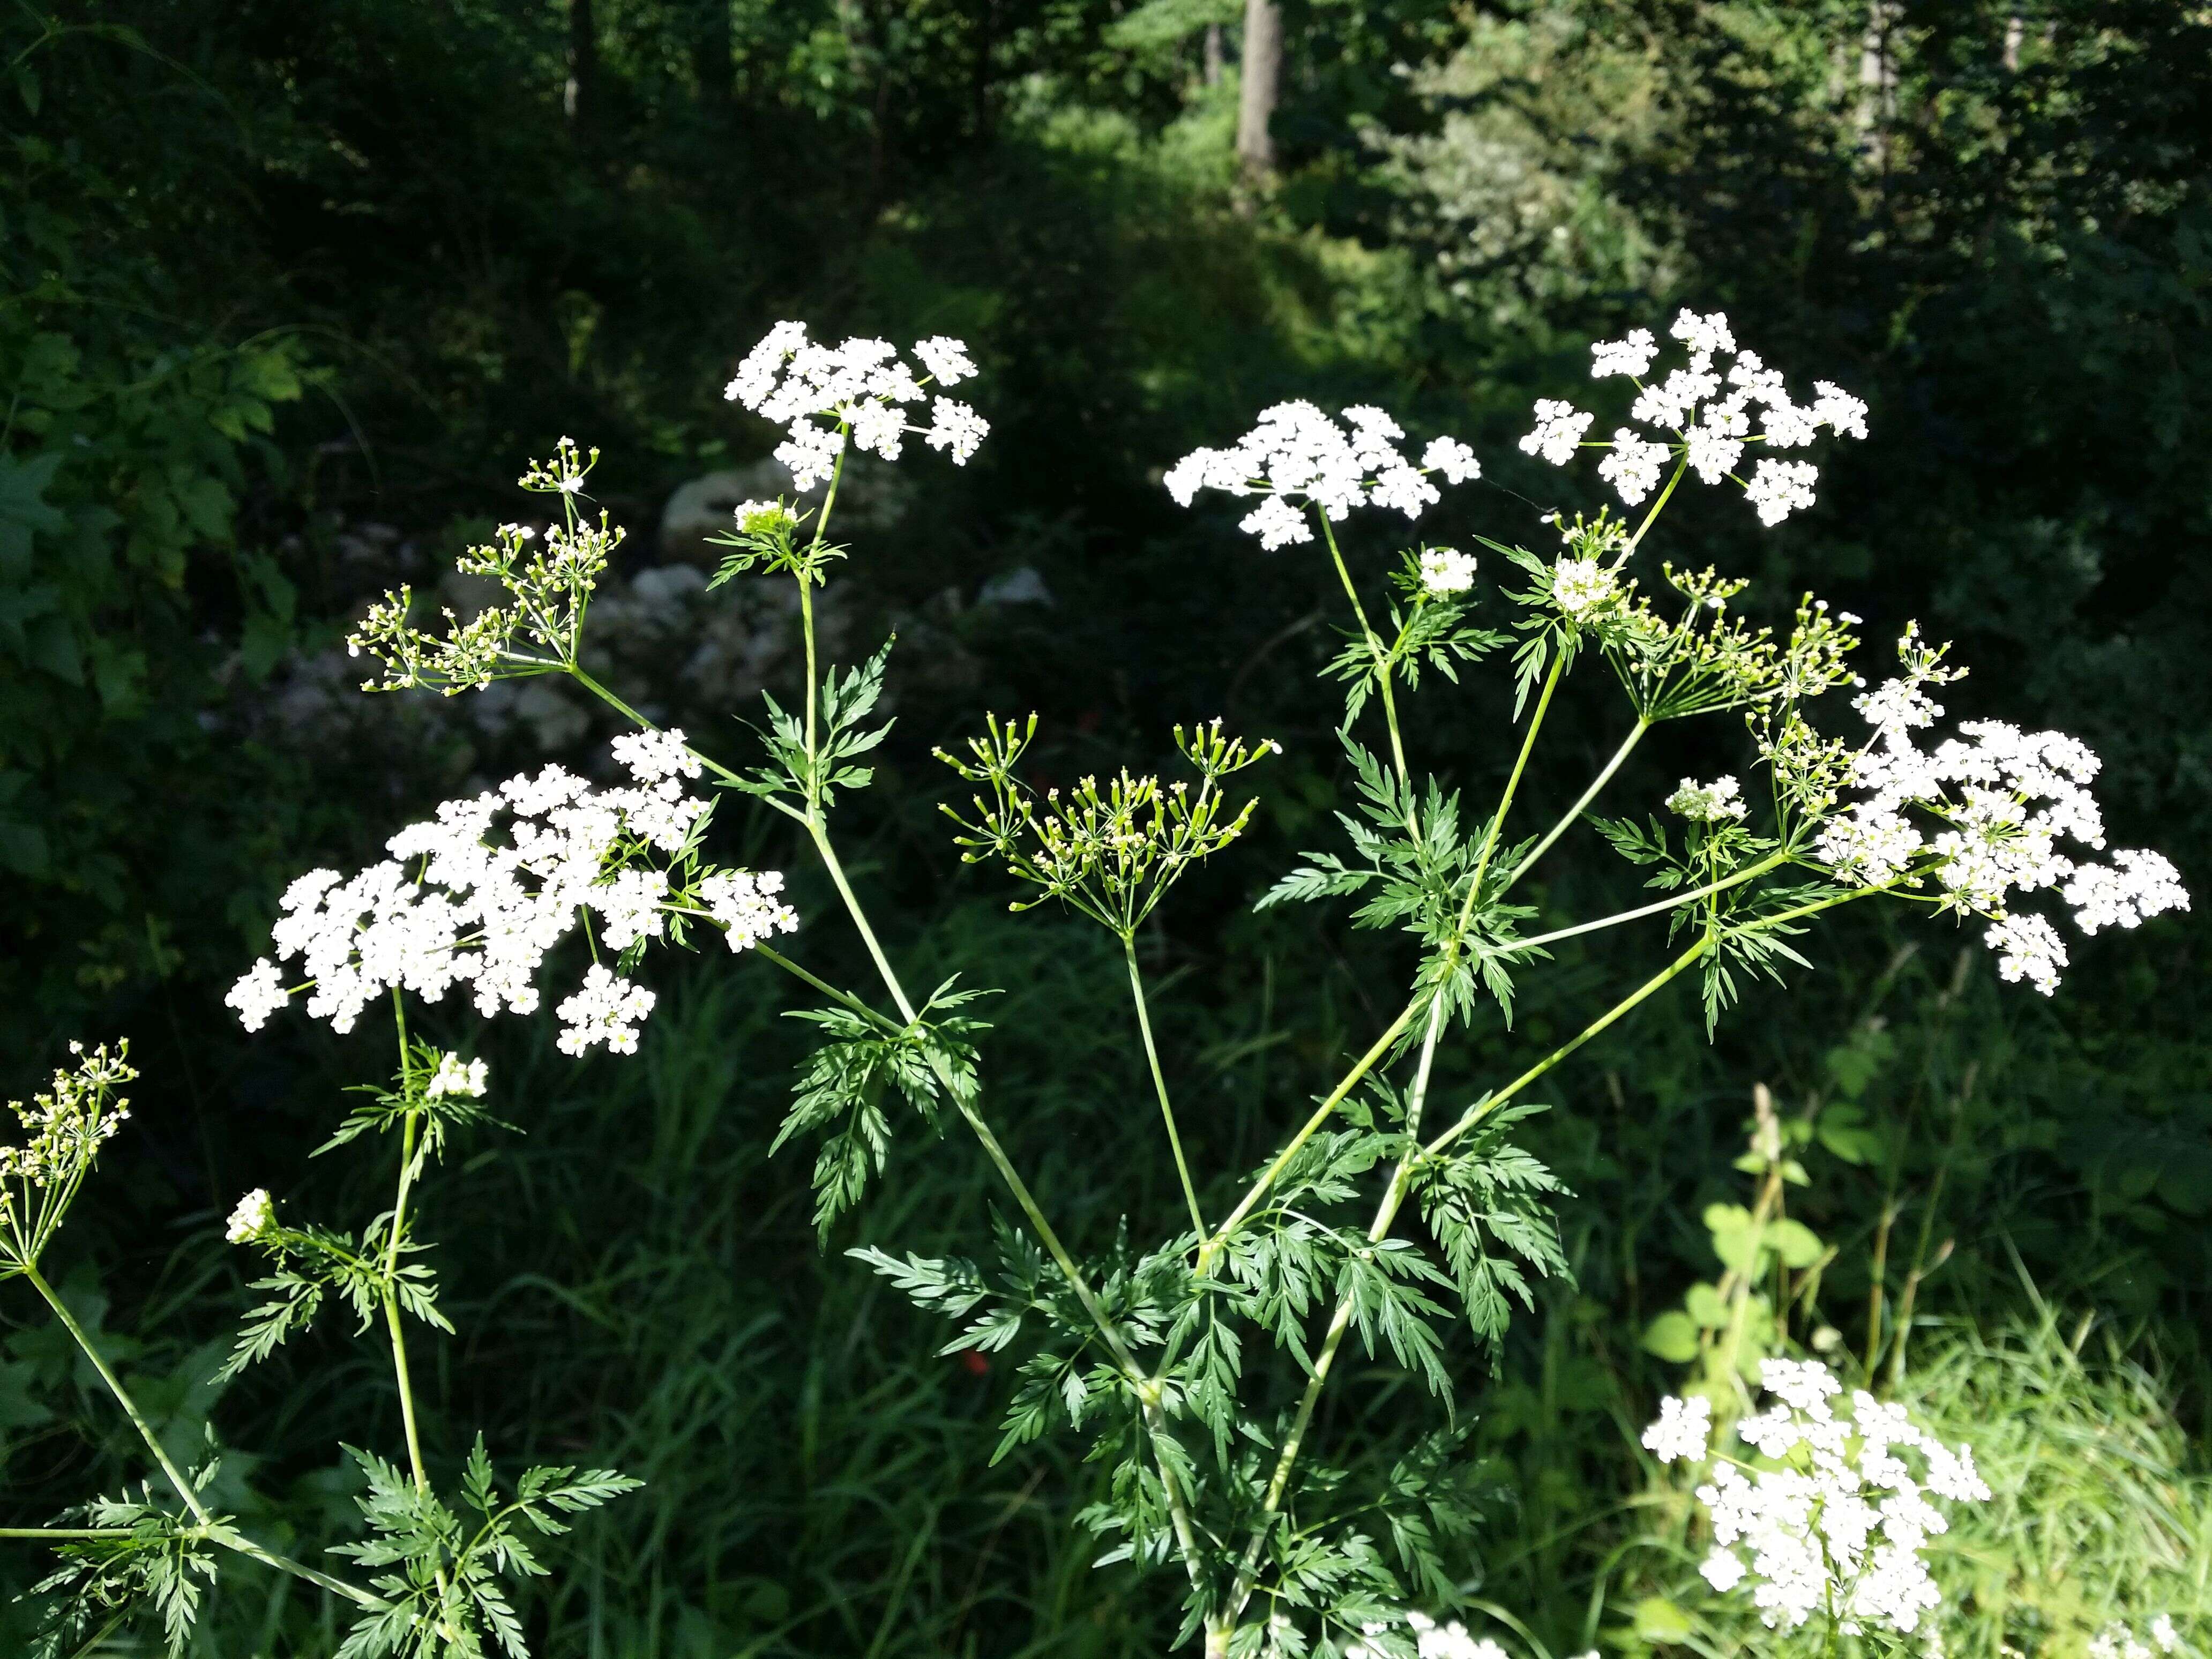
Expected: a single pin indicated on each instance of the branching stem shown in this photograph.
(215, 1531)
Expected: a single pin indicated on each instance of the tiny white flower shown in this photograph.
(1777, 489)
(955, 428)
(1453, 459)
(1277, 523)
(946, 359)
(255, 1215)
(1630, 355)
(1708, 803)
(1681, 1431)
(1580, 586)
(1447, 570)
(257, 996)
(456, 1076)
(1633, 464)
(1558, 430)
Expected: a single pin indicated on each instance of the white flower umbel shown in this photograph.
(1581, 587)
(608, 1010)
(746, 906)
(255, 1215)
(1706, 412)
(1983, 816)
(1446, 570)
(1432, 1640)
(1835, 1514)
(1558, 430)
(1297, 456)
(1684, 1429)
(479, 894)
(823, 395)
(1708, 803)
(457, 1077)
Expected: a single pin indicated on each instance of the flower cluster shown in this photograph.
(1433, 1641)
(1446, 570)
(456, 1078)
(1297, 456)
(1682, 1431)
(255, 1216)
(2002, 801)
(2118, 1642)
(454, 906)
(1838, 1518)
(1708, 803)
(64, 1130)
(1704, 416)
(822, 394)
(550, 579)
(746, 906)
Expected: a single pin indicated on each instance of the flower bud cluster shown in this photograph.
(254, 1217)
(64, 1128)
(1297, 456)
(454, 906)
(860, 388)
(1840, 1513)
(2003, 804)
(1709, 803)
(1446, 571)
(1706, 416)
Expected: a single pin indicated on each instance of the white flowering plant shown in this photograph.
(1191, 1361)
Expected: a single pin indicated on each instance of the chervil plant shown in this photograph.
(1157, 1352)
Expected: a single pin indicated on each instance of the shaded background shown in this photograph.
(293, 292)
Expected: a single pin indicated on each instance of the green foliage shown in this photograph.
(447, 1583)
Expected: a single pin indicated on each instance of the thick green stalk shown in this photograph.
(1160, 1084)
(829, 862)
(1394, 1194)
(391, 1319)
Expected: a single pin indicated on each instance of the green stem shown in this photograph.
(64, 1534)
(830, 862)
(1160, 1084)
(1681, 467)
(215, 1532)
(1749, 872)
(1350, 1081)
(1381, 669)
(1483, 1108)
(806, 620)
(1572, 813)
(391, 1319)
(185, 1488)
(827, 989)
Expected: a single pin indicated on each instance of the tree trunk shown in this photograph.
(1261, 88)
(581, 98)
(1211, 58)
